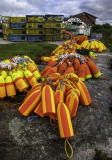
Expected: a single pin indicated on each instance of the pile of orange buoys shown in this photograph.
(17, 73)
(58, 89)
(57, 97)
(64, 64)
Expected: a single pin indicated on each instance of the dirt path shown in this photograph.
(23, 140)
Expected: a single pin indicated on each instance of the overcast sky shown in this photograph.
(99, 8)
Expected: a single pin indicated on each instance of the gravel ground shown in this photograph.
(2, 41)
(23, 140)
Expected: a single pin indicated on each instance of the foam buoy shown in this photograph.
(64, 121)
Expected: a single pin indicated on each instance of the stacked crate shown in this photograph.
(53, 27)
(6, 27)
(18, 29)
(35, 27)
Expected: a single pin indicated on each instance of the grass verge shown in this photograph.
(33, 50)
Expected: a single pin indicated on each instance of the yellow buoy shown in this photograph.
(10, 88)
(2, 88)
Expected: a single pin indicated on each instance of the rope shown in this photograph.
(31, 118)
(66, 141)
(61, 89)
(94, 106)
(51, 83)
(103, 78)
(69, 83)
(52, 123)
(61, 84)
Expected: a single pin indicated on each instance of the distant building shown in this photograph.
(86, 18)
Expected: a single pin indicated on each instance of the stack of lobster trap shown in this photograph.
(18, 29)
(6, 27)
(35, 27)
(53, 27)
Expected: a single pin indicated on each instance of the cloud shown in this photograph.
(101, 9)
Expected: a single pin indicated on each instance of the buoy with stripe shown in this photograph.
(87, 72)
(30, 78)
(84, 98)
(10, 88)
(70, 69)
(19, 82)
(48, 104)
(62, 68)
(31, 91)
(45, 59)
(93, 68)
(73, 90)
(33, 68)
(22, 75)
(2, 88)
(81, 72)
(76, 64)
(38, 110)
(30, 103)
(72, 103)
(64, 121)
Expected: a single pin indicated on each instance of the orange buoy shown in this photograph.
(58, 97)
(38, 110)
(64, 88)
(50, 71)
(84, 98)
(64, 121)
(70, 69)
(87, 71)
(30, 103)
(31, 91)
(81, 72)
(72, 103)
(73, 90)
(62, 68)
(48, 104)
(76, 64)
(93, 68)
(45, 70)
(54, 76)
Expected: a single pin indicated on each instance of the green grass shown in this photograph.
(33, 50)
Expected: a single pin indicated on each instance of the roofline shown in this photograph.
(82, 13)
